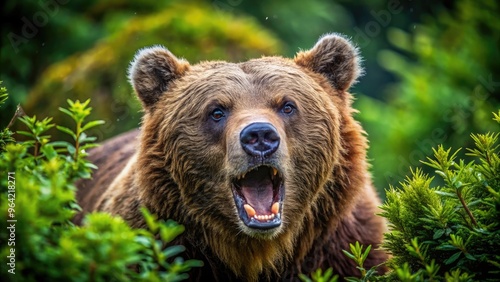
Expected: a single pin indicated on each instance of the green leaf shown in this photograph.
(453, 258)
(304, 278)
(75, 206)
(440, 173)
(84, 174)
(82, 137)
(66, 111)
(367, 252)
(438, 234)
(145, 241)
(446, 194)
(28, 121)
(49, 152)
(446, 247)
(71, 149)
(170, 231)
(67, 131)
(92, 124)
(89, 146)
(448, 231)
(349, 255)
(193, 263)
(372, 271)
(469, 256)
(150, 220)
(173, 251)
(59, 144)
(91, 165)
(25, 133)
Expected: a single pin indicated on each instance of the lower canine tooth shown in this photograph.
(250, 211)
(275, 208)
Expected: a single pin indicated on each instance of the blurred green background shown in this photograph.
(432, 69)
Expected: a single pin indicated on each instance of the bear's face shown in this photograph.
(248, 145)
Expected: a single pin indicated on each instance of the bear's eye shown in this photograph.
(288, 108)
(217, 114)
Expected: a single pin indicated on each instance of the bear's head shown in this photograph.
(246, 153)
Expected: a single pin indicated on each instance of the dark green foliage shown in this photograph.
(448, 232)
(38, 196)
(439, 229)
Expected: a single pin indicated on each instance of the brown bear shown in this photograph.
(261, 161)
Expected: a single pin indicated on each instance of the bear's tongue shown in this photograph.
(257, 188)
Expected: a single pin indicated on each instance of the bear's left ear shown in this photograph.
(152, 71)
(335, 57)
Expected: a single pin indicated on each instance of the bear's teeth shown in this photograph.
(275, 208)
(264, 217)
(275, 171)
(250, 211)
(241, 176)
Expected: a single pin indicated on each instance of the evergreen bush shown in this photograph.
(38, 241)
(448, 232)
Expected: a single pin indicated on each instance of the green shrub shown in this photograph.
(39, 241)
(448, 232)
(453, 229)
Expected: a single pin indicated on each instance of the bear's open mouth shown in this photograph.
(258, 194)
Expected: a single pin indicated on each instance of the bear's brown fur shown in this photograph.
(271, 133)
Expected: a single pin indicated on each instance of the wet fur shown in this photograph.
(179, 163)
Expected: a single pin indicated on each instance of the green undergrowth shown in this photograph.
(448, 232)
(38, 241)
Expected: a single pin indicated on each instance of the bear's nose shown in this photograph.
(260, 139)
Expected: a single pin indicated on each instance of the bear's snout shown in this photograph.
(260, 139)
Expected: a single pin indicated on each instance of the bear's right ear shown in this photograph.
(335, 57)
(152, 71)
